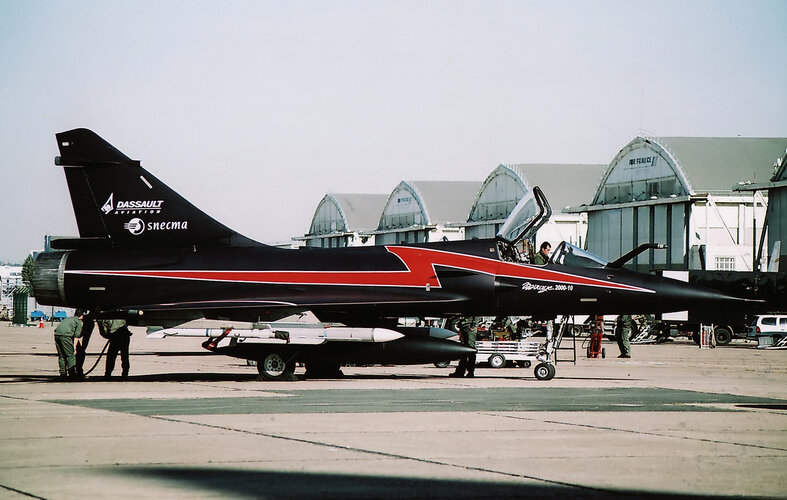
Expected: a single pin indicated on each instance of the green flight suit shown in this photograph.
(468, 327)
(65, 333)
(540, 259)
(623, 327)
(118, 334)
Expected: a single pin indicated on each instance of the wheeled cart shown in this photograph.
(523, 353)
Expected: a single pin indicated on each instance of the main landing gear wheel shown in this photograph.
(442, 364)
(497, 361)
(274, 367)
(544, 371)
(723, 336)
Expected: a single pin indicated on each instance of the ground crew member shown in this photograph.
(505, 324)
(623, 332)
(119, 336)
(468, 326)
(542, 257)
(81, 344)
(65, 333)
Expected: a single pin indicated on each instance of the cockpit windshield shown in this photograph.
(570, 255)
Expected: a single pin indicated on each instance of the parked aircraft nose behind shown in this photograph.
(655, 294)
(679, 296)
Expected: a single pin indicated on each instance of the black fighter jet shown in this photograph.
(146, 254)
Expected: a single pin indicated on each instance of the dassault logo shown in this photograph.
(132, 206)
(137, 226)
(108, 205)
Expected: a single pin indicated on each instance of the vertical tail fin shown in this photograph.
(118, 201)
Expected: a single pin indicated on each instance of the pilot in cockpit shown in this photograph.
(542, 257)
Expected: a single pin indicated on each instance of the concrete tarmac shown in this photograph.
(672, 422)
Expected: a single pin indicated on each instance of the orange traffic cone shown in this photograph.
(41, 324)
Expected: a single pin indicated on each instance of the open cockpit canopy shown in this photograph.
(532, 212)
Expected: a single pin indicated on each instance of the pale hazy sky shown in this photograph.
(254, 110)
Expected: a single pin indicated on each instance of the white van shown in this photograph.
(768, 329)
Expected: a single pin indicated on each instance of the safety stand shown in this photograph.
(596, 335)
(781, 344)
(642, 335)
(707, 338)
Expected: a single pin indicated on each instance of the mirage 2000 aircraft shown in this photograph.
(147, 255)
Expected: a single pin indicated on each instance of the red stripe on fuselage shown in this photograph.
(420, 263)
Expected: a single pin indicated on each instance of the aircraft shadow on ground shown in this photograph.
(227, 482)
(251, 377)
(53, 354)
(159, 377)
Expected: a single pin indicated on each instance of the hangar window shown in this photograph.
(725, 263)
(611, 194)
(653, 189)
(669, 186)
(639, 190)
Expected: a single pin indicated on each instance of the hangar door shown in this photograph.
(615, 231)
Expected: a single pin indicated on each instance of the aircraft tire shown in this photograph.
(544, 371)
(497, 361)
(273, 366)
(723, 335)
(442, 364)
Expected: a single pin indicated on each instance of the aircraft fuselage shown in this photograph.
(464, 277)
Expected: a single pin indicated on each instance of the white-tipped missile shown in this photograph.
(270, 334)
